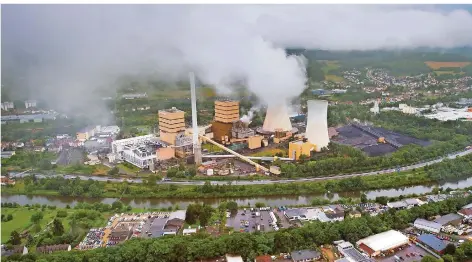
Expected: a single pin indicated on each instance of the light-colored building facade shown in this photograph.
(30, 103)
(7, 106)
(298, 148)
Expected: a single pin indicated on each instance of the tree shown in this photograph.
(15, 238)
(152, 179)
(113, 171)
(205, 215)
(429, 259)
(57, 227)
(260, 204)
(232, 207)
(450, 249)
(36, 217)
(192, 213)
(117, 205)
(363, 198)
(448, 258)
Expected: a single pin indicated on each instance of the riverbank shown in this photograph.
(170, 191)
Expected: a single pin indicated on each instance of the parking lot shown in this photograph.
(405, 254)
(238, 221)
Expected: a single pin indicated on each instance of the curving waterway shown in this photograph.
(62, 201)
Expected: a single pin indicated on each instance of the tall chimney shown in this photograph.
(197, 151)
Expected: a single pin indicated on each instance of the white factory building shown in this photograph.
(382, 242)
(451, 114)
(139, 151)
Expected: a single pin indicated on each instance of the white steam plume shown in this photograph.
(70, 50)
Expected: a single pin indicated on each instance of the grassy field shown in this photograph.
(439, 72)
(334, 78)
(100, 170)
(269, 152)
(21, 220)
(436, 65)
(211, 148)
(329, 65)
(128, 168)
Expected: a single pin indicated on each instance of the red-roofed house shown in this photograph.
(265, 258)
(466, 212)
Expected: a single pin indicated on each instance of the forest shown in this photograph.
(204, 246)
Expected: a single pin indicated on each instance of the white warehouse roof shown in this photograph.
(384, 241)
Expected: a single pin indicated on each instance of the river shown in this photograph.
(62, 201)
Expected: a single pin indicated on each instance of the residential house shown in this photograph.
(265, 258)
(233, 258)
(430, 226)
(7, 154)
(30, 103)
(175, 224)
(53, 248)
(335, 216)
(355, 214)
(466, 213)
(6, 181)
(305, 255)
(23, 250)
(189, 231)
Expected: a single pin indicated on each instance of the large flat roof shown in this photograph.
(384, 241)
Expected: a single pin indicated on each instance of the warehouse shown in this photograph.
(433, 242)
(382, 242)
(449, 219)
(430, 226)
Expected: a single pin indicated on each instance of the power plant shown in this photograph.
(317, 123)
(228, 133)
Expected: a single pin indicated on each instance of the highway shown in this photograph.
(256, 182)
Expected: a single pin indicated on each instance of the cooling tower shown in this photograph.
(317, 123)
(277, 118)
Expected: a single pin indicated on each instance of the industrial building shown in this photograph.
(427, 225)
(140, 151)
(451, 114)
(298, 148)
(317, 123)
(226, 113)
(37, 118)
(432, 242)
(350, 253)
(382, 242)
(449, 219)
(171, 123)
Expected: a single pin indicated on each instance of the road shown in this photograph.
(257, 182)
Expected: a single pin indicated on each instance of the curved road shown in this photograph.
(258, 182)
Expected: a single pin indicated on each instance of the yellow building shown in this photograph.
(226, 111)
(298, 148)
(85, 134)
(171, 122)
(254, 142)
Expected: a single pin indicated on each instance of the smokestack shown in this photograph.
(277, 118)
(197, 151)
(317, 123)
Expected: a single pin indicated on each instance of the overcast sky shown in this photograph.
(65, 51)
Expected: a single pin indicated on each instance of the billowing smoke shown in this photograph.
(63, 53)
(247, 118)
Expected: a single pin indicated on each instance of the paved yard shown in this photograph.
(263, 220)
(416, 250)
